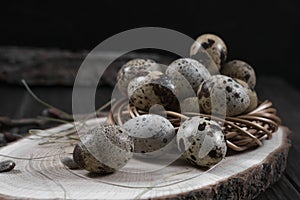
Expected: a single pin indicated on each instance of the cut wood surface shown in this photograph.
(41, 175)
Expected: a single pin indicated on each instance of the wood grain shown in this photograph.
(40, 66)
(41, 175)
(286, 99)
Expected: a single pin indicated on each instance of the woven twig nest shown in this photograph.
(242, 132)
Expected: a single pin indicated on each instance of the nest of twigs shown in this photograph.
(242, 132)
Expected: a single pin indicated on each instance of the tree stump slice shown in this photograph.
(41, 175)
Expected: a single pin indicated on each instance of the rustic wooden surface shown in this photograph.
(39, 174)
(40, 66)
(16, 102)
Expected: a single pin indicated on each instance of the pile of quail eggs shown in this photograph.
(204, 83)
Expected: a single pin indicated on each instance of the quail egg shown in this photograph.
(201, 141)
(190, 104)
(7, 165)
(223, 95)
(69, 162)
(202, 56)
(193, 71)
(252, 95)
(149, 132)
(104, 149)
(240, 70)
(154, 88)
(214, 46)
(135, 68)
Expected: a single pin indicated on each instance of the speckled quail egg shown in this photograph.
(240, 70)
(154, 88)
(149, 132)
(252, 95)
(214, 45)
(201, 141)
(104, 149)
(223, 95)
(190, 104)
(193, 71)
(201, 55)
(134, 68)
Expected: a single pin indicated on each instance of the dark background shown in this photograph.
(263, 33)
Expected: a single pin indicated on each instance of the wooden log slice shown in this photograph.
(39, 174)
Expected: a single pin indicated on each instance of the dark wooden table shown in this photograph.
(15, 102)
